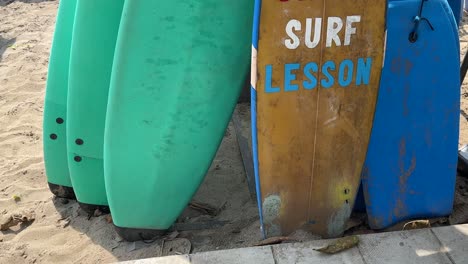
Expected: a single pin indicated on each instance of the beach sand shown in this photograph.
(61, 232)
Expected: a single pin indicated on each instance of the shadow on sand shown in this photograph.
(5, 44)
(7, 2)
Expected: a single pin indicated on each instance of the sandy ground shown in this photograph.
(61, 232)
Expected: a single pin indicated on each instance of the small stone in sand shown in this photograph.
(15, 219)
(97, 213)
(109, 218)
(16, 198)
(64, 222)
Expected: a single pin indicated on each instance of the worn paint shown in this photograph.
(337, 222)
(405, 173)
(316, 79)
(413, 148)
(271, 213)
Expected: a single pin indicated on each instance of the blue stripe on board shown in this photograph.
(253, 110)
(253, 103)
(256, 23)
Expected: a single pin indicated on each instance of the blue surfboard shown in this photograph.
(360, 205)
(457, 9)
(410, 169)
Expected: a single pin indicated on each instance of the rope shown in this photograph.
(413, 36)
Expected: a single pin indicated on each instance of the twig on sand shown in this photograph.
(205, 208)
(162, 247)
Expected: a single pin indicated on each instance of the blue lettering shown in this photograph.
(289, 77)
(328, 65)
(268, 80)
(341, 78)
(311, 66)
(363, 71)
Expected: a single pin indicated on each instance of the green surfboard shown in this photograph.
(55, 104)
(178, 71)
(92, 53)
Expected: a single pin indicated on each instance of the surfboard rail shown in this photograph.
(55, 110)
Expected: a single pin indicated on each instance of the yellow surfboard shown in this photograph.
(316, 73)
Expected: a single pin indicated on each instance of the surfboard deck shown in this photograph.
(94, 39)
(55, 104)
(313, 104)
(177, 74)
(412, 155)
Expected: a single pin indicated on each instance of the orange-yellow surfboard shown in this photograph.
(315, 78)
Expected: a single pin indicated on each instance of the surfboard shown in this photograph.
(410, 169)
(457, 9)
(315, 81)
(55, 104)
(92, 53)
(176, 78)
(360, 205)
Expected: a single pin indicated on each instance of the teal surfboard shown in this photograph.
(178, 71)
(55, 104)
(92, 53)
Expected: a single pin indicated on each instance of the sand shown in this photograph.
(61, 232)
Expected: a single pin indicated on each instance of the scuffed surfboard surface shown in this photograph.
(411, 165)
(178, 71)
(316, 79)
